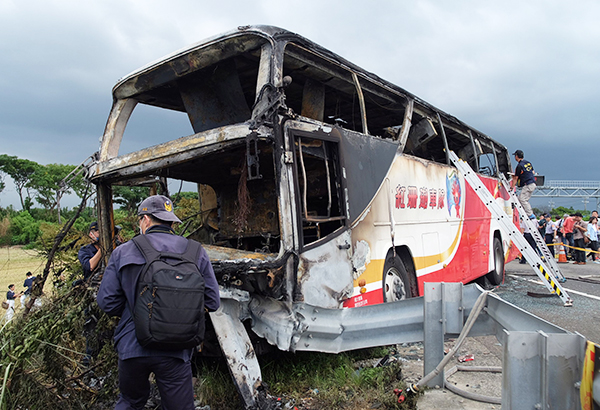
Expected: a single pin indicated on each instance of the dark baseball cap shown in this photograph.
(93, 226)
(519, 153)
(160, 207)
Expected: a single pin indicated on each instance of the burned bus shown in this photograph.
(319, 184)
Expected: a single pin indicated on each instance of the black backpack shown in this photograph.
(169, 305)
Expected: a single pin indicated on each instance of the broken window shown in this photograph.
(239, 213)
(426, 140)
(487, 165)
(232, 211)
(320, 188)
(210, 87)
(327, 92)
(149, 126)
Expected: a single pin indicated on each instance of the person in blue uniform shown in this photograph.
(28, 284)
(172, 368)
(89, 256)
(10, 298)
(524, 178)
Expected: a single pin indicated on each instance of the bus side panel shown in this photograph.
(422, 203)
(436, 215)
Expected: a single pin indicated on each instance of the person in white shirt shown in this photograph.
(593, 235)
(550, 233)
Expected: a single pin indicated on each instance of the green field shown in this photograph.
(15, 262)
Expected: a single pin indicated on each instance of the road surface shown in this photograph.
(583, 317)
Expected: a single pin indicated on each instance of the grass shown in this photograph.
(15, 262)
(44, 350)
(309, 380)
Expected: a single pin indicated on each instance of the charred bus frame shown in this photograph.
(291, 145)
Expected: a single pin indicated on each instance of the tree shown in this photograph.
(21, 171)
(46, 182)
(561, 210)
(129, 197)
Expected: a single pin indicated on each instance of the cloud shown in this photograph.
(525, 73)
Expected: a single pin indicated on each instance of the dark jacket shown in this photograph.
(28, 284)
(86, 253)
(117, 291)
(524, 172)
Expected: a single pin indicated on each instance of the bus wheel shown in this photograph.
(496, 276)
(397, 284)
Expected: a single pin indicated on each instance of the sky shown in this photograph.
(525, 73)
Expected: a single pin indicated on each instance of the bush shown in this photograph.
(24, 228)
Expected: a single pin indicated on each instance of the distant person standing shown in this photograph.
(525, 179)
(542, 225)
(559, 229)
(579, 231)
(593, 235)
(10, 298)
(529, 238)
(569, 222)
(28, 284)
(550, 233)
(89, 255)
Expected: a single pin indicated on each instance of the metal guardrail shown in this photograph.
(542, 362)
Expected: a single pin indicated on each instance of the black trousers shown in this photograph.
(550, 240)
(173, 378)
(594, 246)
(579, 255)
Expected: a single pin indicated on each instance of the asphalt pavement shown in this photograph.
(582, 285)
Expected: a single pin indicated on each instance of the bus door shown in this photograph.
(325, 269)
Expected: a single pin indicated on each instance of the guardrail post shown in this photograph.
(541, 370)
(443, 313)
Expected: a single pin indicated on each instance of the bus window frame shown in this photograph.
(294, 135)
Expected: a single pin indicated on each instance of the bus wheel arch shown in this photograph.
(496, 275)
(398, 277)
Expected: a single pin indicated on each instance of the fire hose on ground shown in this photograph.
(415, 388)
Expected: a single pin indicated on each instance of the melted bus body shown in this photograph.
(318, 182)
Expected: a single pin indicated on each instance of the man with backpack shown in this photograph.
(160, 284)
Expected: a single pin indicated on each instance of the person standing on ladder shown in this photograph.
(525, 179)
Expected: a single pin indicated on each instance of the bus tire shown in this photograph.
(496, 276)
(397, 282)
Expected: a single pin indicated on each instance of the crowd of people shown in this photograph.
(573, 232)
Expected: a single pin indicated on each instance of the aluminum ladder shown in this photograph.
(540, 267)
(532, 224)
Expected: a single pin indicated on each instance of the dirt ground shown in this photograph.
(486, 351)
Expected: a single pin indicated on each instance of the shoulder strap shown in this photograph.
(146, 248)
(192, 252)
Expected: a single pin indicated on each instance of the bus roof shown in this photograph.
(196, 56)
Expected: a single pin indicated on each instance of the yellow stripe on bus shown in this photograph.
(422, 262)
(374, 270)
